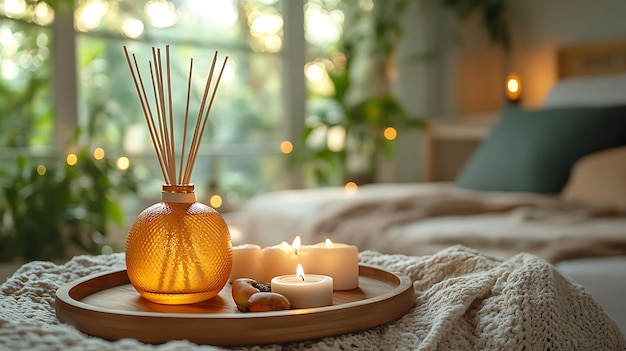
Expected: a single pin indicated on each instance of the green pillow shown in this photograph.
(534, 151)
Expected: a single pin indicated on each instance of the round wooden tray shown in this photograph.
(108, 306)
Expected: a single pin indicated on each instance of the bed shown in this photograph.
(550, 181)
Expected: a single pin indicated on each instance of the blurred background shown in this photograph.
(316, 93)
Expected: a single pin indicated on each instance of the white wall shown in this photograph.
(466, 78)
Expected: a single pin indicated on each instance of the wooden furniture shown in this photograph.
(592, 59)
(106, 305)
(448, 142)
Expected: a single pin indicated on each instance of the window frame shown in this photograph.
(64, 84)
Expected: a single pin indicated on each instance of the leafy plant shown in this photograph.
(493, 13)
(361, 102)
(364, 124)
(46, 210)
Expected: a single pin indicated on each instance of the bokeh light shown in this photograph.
(336, 138)
(71, 159)
(351, 187)
(390, 133)
(13, 8)
(98, 153)
(89, 16)
(132, 28)
(122, 163)
(286, 147)
(266, 24)
(44, 15)
(161, 14)
(215, 201)
(314, 71)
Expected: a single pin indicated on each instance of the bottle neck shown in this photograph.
(178, 193)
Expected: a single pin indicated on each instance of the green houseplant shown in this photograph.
(49, 207)
(361, 102)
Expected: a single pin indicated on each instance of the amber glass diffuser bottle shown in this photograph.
(178, 251)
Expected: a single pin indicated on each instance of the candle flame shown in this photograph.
(296, 244)
(329, 243)
(300, 272)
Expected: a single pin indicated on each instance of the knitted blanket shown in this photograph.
(465, 300)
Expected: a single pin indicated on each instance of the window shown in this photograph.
(260, 102)
(25, 68)
(240, 156)
(241, 153)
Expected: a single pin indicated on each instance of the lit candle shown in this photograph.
(246, 262)
(312, 290)
(280, 259)
(339, 261)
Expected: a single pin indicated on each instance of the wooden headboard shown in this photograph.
(448, 143)
(592, 59)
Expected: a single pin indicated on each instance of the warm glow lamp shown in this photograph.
(513, 87)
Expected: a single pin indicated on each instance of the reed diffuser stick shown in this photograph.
(147, 111)
(206, 117)
(182, 153)
(161, 122)
(169, 94)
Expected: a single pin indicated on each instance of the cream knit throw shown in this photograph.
(464, 301)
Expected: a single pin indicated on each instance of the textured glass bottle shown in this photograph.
(178, 251)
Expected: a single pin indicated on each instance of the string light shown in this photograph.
(98, 153)
(122, 163)
(286, 147)
(71, 159)
(390, 133)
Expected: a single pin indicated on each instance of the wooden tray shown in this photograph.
(108, 306)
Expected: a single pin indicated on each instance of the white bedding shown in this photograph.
(588, 91)
(503, 224)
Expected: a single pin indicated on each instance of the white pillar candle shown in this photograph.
(305, 291)
(281, 259)
(246, 262)
(339, 261)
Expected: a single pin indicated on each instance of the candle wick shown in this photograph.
(295, 251)
(301, 277)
